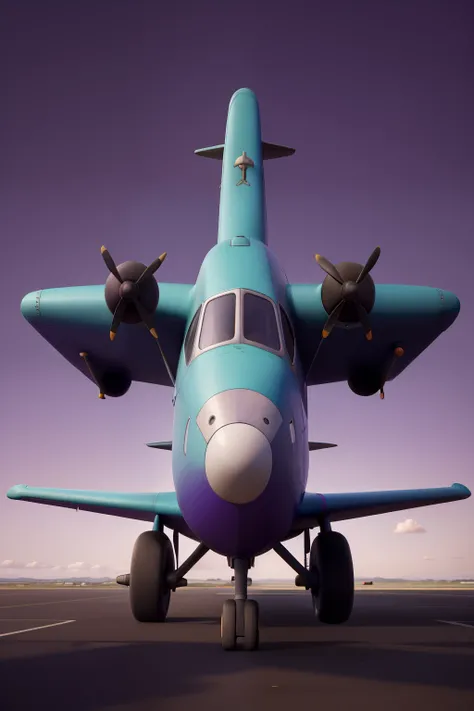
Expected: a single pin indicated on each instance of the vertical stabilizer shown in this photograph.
(242, 199)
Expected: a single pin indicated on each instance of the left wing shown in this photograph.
(77, 320)
(339, 507)
(408, 316)
(139, 506)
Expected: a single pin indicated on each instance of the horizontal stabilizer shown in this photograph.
(338, 507)
(320, 445)
(140, 506)
(169, 445)
(269, 151)
(161, 445)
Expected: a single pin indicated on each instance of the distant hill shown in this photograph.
(38, 581)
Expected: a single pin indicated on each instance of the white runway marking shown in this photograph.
(458, 624)
(33, 629)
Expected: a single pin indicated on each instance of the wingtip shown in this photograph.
(462, 489)
(16, 491)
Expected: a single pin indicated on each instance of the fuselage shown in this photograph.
(240, 443)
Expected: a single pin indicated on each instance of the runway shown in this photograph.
(84, 651)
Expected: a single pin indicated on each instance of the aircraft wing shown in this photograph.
(140, 506)
(76, 319)
(408, 316)
(339, 507)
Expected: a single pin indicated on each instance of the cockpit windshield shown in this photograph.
(218, 324)
(259, 321)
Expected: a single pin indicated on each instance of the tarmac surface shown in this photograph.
(74, 649)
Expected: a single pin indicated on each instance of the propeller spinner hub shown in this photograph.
(128, 290)
(349, 291)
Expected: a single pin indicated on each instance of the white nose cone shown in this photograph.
(238, 463)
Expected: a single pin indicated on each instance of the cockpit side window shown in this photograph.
(288, 334)
(190, 336)
(260, 324)
(218, 324)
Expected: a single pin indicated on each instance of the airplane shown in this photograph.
(240, 348)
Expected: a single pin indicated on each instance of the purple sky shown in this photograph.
(103, 105)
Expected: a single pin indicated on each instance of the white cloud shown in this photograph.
(427, 557)
(409, 526)
(38, 566)
(17, 565)
(7, 564)
(80, 565)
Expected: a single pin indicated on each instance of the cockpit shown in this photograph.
(240, 316)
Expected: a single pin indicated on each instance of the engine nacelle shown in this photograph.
(366, 381)
(114, 382)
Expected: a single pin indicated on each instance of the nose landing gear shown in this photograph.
(240, 616)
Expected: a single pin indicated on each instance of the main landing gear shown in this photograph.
(239, 617)
(152, 562)
(330, 576)
(153, 575)
(330, 563)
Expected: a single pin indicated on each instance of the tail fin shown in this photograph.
(242, 199)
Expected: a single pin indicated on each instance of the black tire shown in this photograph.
(251, 636)
(331, 560)
(228, 625)
(152, 561)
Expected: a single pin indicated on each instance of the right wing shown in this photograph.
(76, 319)
(141, 506)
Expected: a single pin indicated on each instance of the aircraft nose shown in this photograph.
(238, 463)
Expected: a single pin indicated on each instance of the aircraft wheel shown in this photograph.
(331, 560)
(152, 561)
(228, 625)
(251, 637)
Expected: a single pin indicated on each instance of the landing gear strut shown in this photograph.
(240, 616)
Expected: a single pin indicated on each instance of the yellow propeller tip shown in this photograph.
(399, 352)
(368, 335)
(163, 256)
(112, 335)
(325, 334)
(317, 257)
(154, 333)
(83, 354)
(103, 249)
(101, 396)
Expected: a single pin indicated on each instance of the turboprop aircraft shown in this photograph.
(240, 347)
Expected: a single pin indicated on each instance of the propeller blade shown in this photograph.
(371, 262)
(118, 314)
(332, 320)
(364, 319)
(151, 268)
(146, 318)
(329, 268)
(110, 263)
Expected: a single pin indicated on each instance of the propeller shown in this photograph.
(131, 292)
(348, 293)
